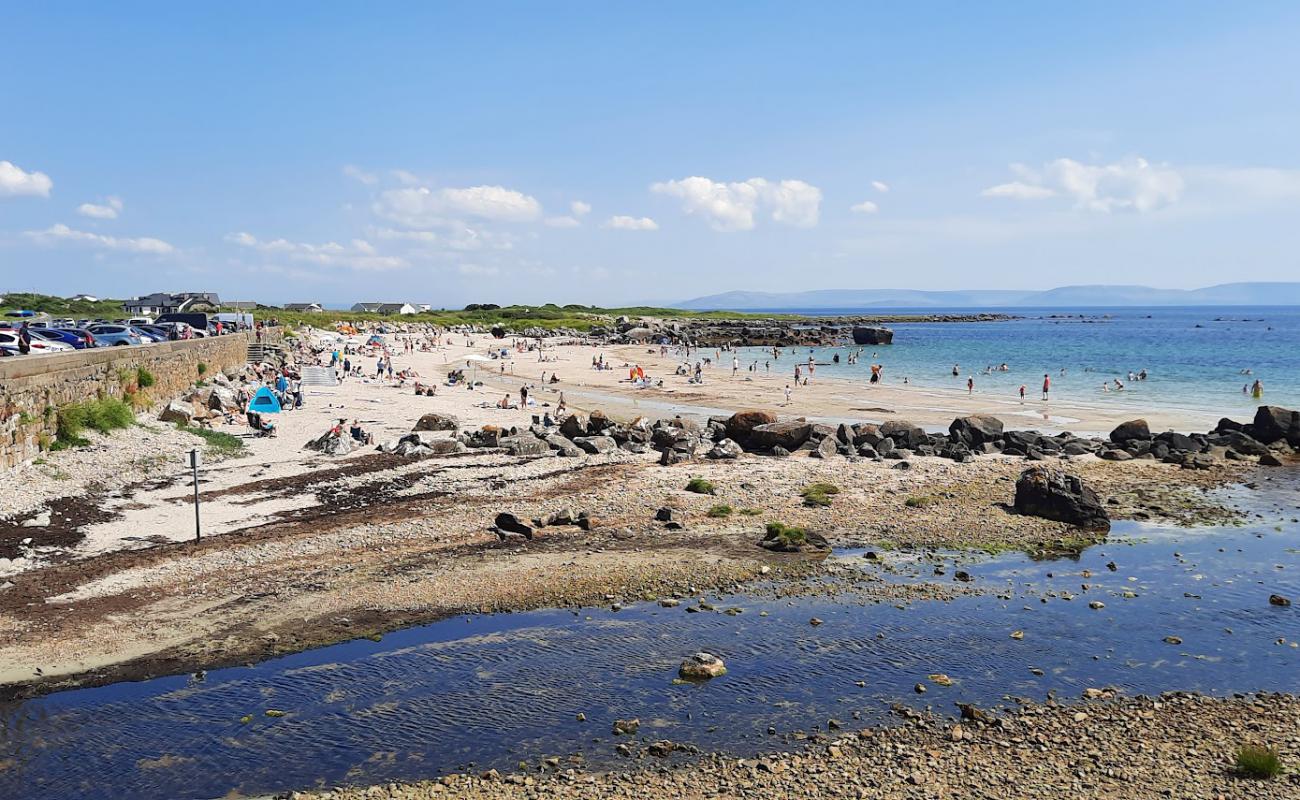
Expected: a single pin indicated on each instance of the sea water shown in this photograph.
(1196, 359)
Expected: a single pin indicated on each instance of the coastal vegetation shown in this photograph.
(104, 415)
(1258, 762)
(819, 494)
(700, 486)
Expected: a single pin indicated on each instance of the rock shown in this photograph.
(563, 446)
(41, 520)
(596, 444)
(1096, 605)
(1055, 495)
(509, 523)
(726, 449)
(1278, 600)
(866, 335)
(1274, 423)
(177, 411)
(332, 444)
(524, 445)
(1133, 430)
(1172, 640)
(904, 434)
(1115, 455)
(787, 435)
(626, 727)
(701, 666)
(976, 430)
(437, 422)
(574, 425)
(825, 448)
(1269, 460)
(664, 515)
(740, 424)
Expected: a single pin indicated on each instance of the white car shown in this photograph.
(9, 339)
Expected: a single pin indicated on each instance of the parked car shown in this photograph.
(148, 336)
(137, 321)
(78, 340)
(39, 345)
(114, 335)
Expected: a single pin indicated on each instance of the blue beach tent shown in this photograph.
(264, 402)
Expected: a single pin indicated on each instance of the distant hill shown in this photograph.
(1245, 294)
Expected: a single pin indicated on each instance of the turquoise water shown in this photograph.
(1194, 357)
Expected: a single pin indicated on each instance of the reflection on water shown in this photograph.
(490, 691)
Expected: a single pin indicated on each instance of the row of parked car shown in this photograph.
(63, 335)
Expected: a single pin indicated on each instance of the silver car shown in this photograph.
(114, 335)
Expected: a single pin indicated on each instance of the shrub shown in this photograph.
(1258, 762)
(144, 378)
(203, 369)
(218, 443)
(751, 512)
(819, 494)
(920, 501)
(720, 511)
(787, 535)
(700, 486)
(104, 415)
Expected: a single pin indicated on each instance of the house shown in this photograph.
(163, 303)
(242, 305)
(423, 307)
(385, 308)
(312, 307)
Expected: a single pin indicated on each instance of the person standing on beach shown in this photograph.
(787, 394)
(1022, 393)
(523, 397)
(970, 385)
(1047, 385)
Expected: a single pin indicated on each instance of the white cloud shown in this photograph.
(1132, 184)
(420, 207)
(109, 209)
(62, 233)
(562, 222)
(626, 223)
(406, 178)
(732, 206)
(361, 176)
(358, 254)
(478, 270)
(14, 181)
(865, 207)
(579, 208)
(880, 186)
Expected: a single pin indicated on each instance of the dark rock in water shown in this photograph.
(1274, 423)
(626, 727)
(1278, 600)
(1051, 494)
(905, 434)
(1133, 430)
(870, 335)
(788, 435)
(509, 523)
(975, 430)
(740, 424)
(1270, 460)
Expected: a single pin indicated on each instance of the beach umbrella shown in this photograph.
(264, 402)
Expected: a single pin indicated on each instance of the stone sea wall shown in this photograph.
(32, 388)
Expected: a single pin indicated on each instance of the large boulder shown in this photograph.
(740, 424)
(1135, 430)
(177, 411)
(563, 446)
(905, 434)
(576, 424)
(332, 444)
(726, 449)
(437, 422)
(1274, 423)
(524, 445)
(863, 334)
(975, 430)
(1052, 494)
(596, 444)
(788, 435)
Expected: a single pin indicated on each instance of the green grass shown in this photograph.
(104, 415)
(1258, 762)
(787, 535)
(751, 512)
(203, 369)
(818, 494)
(223, 444)
(144, 378)
(700, 486)
(920, 501)
(720, 511)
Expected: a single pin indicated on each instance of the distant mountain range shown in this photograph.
(1226, 294)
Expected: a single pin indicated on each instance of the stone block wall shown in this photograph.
(32, 388)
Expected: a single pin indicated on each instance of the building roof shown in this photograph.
(301, 306)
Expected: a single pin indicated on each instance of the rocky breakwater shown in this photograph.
(770, 331)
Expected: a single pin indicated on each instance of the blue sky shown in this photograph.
(609, 153)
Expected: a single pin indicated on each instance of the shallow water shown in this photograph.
(1194, 356)
(488, 691)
